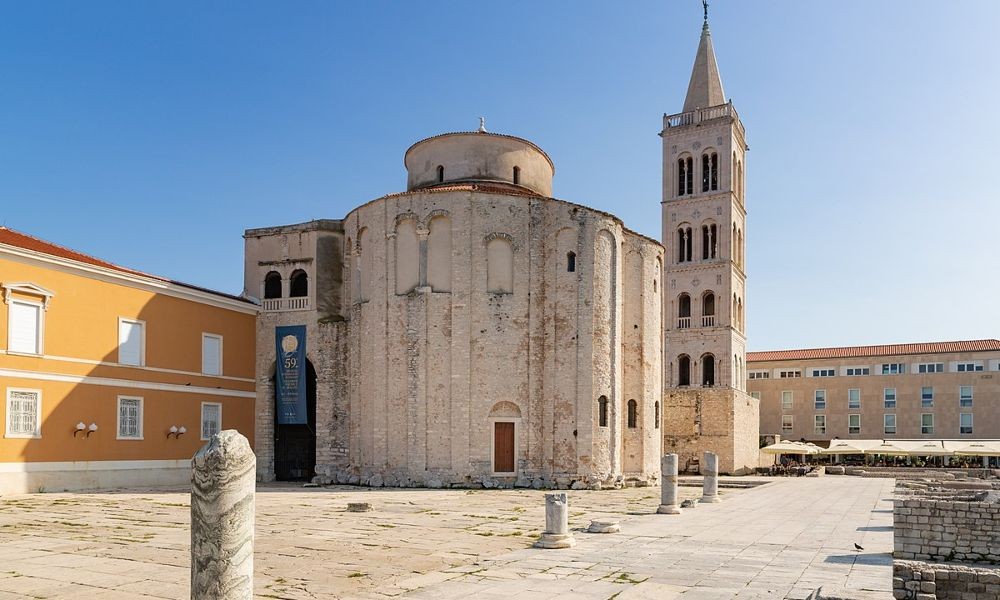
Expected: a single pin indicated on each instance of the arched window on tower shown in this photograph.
(709, 241)
(571, 262)
(298, 284)
(709, 172)
(685, 176)
(684, 245)
(708, 310)
(602, 411)
(683, 311)
(440, 171)
(517, 175)
(272, 285)
(739, 312)
(708, 370)
(633, 417)
(683, 370)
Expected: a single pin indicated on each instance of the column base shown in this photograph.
(555, 540)
(668, 509)
(711, 499)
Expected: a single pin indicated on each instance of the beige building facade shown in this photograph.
(471, 330)
(943, 390)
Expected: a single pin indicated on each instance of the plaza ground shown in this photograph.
(779, 540)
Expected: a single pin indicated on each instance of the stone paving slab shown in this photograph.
(782, 540)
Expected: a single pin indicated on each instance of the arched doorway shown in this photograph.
(295, 445)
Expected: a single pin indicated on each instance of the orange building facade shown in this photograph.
(112, 377)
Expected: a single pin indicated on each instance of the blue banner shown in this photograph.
(290, 342)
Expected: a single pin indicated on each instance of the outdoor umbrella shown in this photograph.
(849, 446)
(930, 448)
(888, 448)
(978, 448)
(786, 447)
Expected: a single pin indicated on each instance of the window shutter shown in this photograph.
(211, 355)
(24, 327)
(129, 343)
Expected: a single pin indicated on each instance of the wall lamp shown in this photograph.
(79, 427)
(176, 431)
(91, 429)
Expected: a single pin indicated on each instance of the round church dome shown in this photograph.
(478, 156)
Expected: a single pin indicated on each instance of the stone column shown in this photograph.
(710, 471)
(668, 485)
(222, 519)
(557, 534)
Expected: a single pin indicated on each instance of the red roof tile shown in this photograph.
(18, 239)
(872, 351)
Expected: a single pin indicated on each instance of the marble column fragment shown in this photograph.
(668, 485)
(710, 471)
(557, 534)
(223, 482)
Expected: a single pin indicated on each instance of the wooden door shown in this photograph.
(503, 447)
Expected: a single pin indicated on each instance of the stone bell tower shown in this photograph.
(706, 406)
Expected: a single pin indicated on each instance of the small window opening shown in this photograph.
(602, 411)
(633, 409)
(708, 370)
(299, 284)
(656, 415)
(272, 285)
(571, 262)
(440, 174)
(685, 176)
(683, 370)
(517, 174)
(684, 245)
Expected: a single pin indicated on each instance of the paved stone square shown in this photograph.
(785, 537)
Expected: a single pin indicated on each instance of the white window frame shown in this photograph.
(205, 335)
(928, 368)
(887, 368)
(856, 374)
(923, 401)
(960, 366)
(854, 406)
(790, 423)
(118, 418)
(816, 399)
(758, 374)
(142, 341)
(972, 395)
(851, 417)
(885, 425)
(822, 372)
(895, 397)
(755, 395)
(971, 424)
(38, 415)
(205, 438)
(789, 373)
(923, 427)
(39, 334)
(791, 399)
(817, 428)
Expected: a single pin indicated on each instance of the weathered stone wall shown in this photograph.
(719, 420)
(946, 530)
(944, 581)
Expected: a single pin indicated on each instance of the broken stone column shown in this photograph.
(668, 485)
(222, 518)
(557, 534)
(710, 471)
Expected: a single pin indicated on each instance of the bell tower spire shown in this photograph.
(705, 88)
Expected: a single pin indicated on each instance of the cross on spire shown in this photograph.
(704, 4)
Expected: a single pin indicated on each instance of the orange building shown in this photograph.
(110, 376)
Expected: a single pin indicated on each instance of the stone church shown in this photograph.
(474, 330)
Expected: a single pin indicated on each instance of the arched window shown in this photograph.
(633, 409)
(683, 311)
(683, 370)
(299, 284)
(685, 176)
(739, 180)
(656, 415)
(272, 285)
(654, 286)
(499, 266)
(684, 245)
(602, 411)
(440, 171)
(708, 310)
(571, 262)
(708, 370)
(709, 172)
(709, 241)
(407, 256)
(739, 312)
(517, 175)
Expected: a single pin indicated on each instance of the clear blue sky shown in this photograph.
(153, 133)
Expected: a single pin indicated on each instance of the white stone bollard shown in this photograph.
(557, 534)
(223, 480)
(710, 471)
(668, 485)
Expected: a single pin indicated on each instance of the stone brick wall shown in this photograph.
(720, 420)
(946, 530)
(944, 581)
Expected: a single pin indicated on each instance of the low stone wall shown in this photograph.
(944, 581)
(946, 530)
